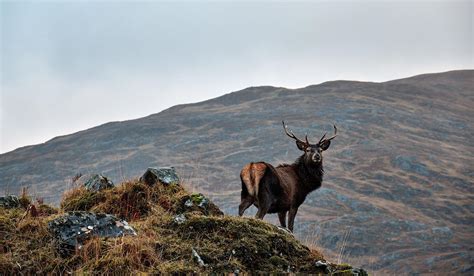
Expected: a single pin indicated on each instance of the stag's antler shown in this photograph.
(324, 140)
(292, 135)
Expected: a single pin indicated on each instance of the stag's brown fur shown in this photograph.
(284, 188)
(251, 175)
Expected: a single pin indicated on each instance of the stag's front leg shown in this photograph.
(291, 217)
(262, 211)
(282, 217)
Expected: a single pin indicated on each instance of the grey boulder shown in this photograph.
(163, 175)
(9, 201)
(95, 182)
(74, 228)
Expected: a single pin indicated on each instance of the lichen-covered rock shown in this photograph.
(95, 182)
(197, 199)
(164, 175)
(9, 201)
(72, 229)
(198, 202)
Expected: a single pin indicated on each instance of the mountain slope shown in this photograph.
(399, 176)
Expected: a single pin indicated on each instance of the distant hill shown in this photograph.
(398, 194)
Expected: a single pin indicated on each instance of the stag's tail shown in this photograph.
(251, 175)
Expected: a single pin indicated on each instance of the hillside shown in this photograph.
(398, 188)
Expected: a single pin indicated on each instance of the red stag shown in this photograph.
(284, 188)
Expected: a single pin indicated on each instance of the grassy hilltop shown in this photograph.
(224, 244)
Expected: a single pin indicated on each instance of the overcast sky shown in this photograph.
(68, 66)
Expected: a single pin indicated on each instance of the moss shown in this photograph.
(197, 198)
(346, 272)
(278, 261)
(343, 266)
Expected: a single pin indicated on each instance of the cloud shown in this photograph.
(70, 66)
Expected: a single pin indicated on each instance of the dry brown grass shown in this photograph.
(132, 200)
(80, 199)
(129, 201)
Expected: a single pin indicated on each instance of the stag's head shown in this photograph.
(313, 153)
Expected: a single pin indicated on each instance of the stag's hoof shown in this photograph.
(284, 229)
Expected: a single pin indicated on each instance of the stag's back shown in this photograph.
(284, 184)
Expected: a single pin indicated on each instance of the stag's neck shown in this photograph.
(311, 177)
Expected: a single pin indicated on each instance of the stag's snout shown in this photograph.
(317, 157)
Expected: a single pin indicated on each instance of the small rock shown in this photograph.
(179, 219)
(323, 265)
(197, 258)
(189, 203)
(95, 182)
(359, 272)
(164, 175)
(9, 201)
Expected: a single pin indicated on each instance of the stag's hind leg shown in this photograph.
(245, 203)
(246, 200)
(264, 202)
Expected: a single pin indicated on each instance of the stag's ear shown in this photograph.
(325, 144)
(301, 145)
